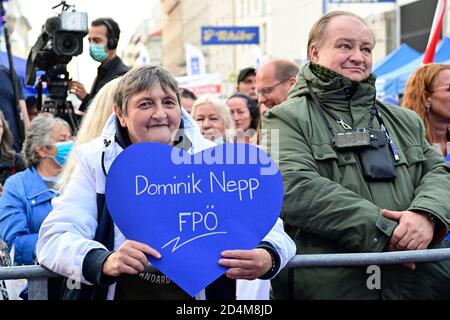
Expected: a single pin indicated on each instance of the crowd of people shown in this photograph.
(359, 174)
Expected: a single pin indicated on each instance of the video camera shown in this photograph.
(60, 40)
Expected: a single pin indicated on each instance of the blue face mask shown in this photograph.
(98, 52)
(63, 150)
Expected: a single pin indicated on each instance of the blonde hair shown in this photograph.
(220, 106)
(91, 126)
(418, 88)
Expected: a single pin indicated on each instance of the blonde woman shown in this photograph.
(91, 127)
(214, 118)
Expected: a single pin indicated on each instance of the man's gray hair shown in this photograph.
(141, 79)
(318, 31)
(39, 133)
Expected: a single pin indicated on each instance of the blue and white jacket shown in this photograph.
(66, 236)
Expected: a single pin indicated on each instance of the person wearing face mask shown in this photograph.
(103, 40)
(27, 195)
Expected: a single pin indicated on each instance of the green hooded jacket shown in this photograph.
(329, 206)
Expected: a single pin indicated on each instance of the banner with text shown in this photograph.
(193, 207)
(230, 35)
(209, 83)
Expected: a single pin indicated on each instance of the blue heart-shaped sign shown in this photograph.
(192, 207)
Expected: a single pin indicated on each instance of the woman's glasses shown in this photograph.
(446, 88)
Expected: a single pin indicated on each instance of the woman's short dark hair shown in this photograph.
(252, 107)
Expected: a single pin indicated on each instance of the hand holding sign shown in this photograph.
(246, 264)
(130, 258)
(192, 208)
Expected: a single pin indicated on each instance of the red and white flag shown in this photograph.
(435, 33)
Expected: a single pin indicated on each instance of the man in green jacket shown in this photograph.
(359, 175)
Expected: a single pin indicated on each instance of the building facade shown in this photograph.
(172, 36)
(283, 31)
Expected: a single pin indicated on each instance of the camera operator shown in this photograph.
(103, 39)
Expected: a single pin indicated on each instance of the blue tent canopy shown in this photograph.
(19, 63)
(393, 83)
(395, 59)
(20, 66)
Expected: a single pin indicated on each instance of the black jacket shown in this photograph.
(105, 73)
(10, 167)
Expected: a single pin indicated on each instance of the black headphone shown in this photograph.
(112, 40)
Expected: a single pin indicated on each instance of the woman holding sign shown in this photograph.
(79, 239)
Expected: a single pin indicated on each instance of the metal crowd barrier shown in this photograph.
(37, 275)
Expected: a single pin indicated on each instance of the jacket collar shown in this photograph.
(121, 136)
(333, 89)
(110, 65)
(36, 184)
(192, 140)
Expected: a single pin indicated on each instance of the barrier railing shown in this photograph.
(38, 285)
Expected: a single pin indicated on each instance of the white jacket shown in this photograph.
(66, 234)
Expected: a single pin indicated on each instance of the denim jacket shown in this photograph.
(25, 203)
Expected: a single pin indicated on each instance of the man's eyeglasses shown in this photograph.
(267, 90)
